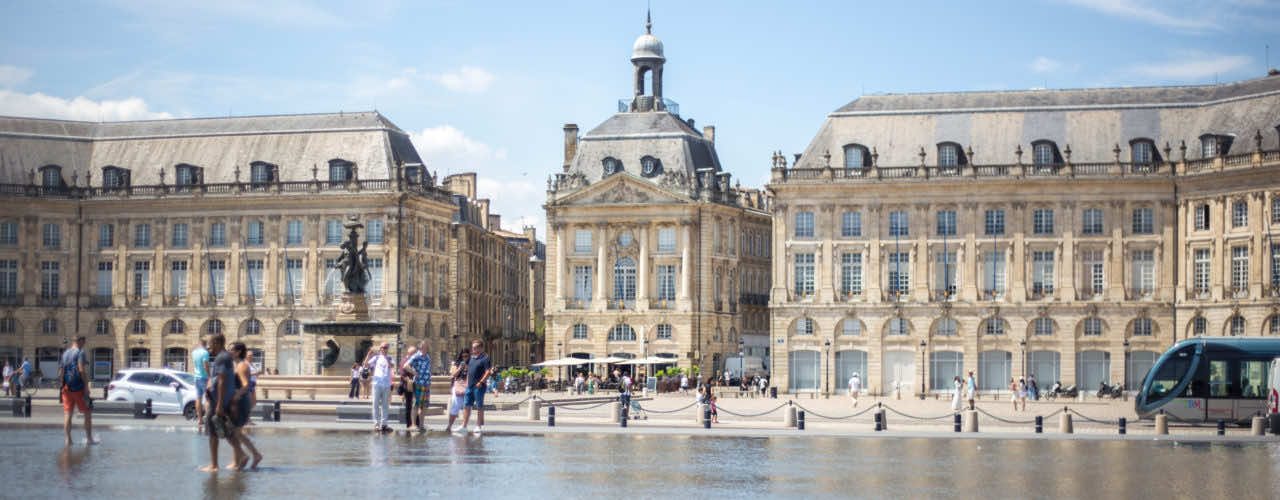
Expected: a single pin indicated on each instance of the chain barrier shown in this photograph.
(582, 409)
(940, 417)
(750, 415)
(1087, 419)
(1018, 422)
(690, 405)
(522, 401)
(819, 415)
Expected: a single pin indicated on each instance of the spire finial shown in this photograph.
(648, 22)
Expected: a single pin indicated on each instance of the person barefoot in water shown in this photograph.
(221, 387)
(242, 406)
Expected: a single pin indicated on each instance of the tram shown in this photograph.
(1205, 379)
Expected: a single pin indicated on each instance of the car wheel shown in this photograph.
(190, 411)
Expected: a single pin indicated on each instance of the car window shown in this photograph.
(142, 378)
(187, 377)
(164, 380)
(119, 376)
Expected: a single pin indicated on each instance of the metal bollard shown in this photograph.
(879, 423)
(551, 416)
(706, 416)
(1039, 424)
(104, 392)
(622, 422)
(957, 422)
(1259, 426)
(26, 408)
(1162, 423)
(1222, 427)
(1122, 425)
(800, 420)
(147, 411)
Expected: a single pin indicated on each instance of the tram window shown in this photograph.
(1253, 379)
(1220, 385)
(1167, 377)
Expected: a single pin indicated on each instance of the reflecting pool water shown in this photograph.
(329, 464)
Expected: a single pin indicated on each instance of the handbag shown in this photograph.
(459, 386)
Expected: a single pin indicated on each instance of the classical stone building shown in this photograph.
(652, 251)
(145, 236)
(1069, 234)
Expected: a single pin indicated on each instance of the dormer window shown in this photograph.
(339, 172)
(855, 156)
(411, 175)
(949, 155)
(262, 172)
(1212, 145)
(1044, 153)
(650, 166)
(1143, 152)
(186, 175)
(611, 166)
(114, 177)
(51, 176)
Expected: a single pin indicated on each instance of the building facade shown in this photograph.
(1073, 235)
(147, 236)
(651, 250)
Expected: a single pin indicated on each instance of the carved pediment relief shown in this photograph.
(622, 193)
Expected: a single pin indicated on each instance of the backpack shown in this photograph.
(71, 376)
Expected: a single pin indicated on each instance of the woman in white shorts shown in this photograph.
(458, 388)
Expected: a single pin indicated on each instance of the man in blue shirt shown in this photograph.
(478, 372)
(200, 365)
(419, 367)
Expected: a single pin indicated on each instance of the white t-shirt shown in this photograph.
(381, 366)
(855, 384)
(684, 381)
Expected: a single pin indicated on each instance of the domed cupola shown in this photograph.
(647, 56)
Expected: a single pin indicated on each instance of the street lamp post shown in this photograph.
(560, 349)
(742, 363)
(826, 378)
(1125, 380)
(922, 365)
(1022, 344)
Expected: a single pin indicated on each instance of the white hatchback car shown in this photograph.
(170, 391)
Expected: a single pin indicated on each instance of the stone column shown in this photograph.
(158, 275)
(1258, 254)
(871, 272)
(600, 237)
(920, 279)
(273, 274)
(686, 265)
(1219, 259)
(824, 260)
(315, 266)
(778, 290)
(642, 268)
(1018, 288)
(560, 266)
(1066, 270)
(969, 289)
(1115, 271)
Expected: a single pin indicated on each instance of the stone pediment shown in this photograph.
(621, 189)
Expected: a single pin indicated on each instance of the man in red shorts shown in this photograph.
(71, 372)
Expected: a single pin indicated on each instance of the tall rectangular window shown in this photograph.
(945, 274)
(1092, 265)
(105, 272)
(1042, 221)
(1275, 214)
(50, 278)
(1275, 269)
(293, 280)
(1239, 268)
(218, 234)
(899, 273)
(106, 236)
(1143, 265)
(293, 233)
(667, 239)
(410, 234)
(374, 232)
(582, 241)
(8, 233)
(218, 279)
(946, 223)
(1042, 273)
(8, 277)
(899, 223)
(666, 282)
(851, 224)
(582, 284)
(993, 274)
(804, 275)
(332, 280)
(1200, 272)
(253, 279)
(442, 283)
(993, 222)
(804, 224)
(255, 234)
(142, 236)
(1143, 222)
(179, 239)
(332, 232)
(1202, 217)
(52, 236)
(178, 280)
(376, 280)
(142, 279)
(428, 286)
(1239, 214)
(851, 274)
(1092, 224)
(426, 237)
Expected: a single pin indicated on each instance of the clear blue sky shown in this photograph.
(486, 86)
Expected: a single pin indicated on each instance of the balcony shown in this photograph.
(444, 303)
(99, 301)
(944, 295)
(621, 304)
(1238, 292)
(662, 304)
(1274, 291)
(1139, 294)
(175, 300)
(719, 305)
(213, 300)
(577, 304)
(290, 298)
(1041, 292)
(137, 300)
(10, 300)
(413, 300)
(1091, 294)
(757, 299)
(50, 301)
(733, 307)
(1200, 293)
(429, 302)
(992, 295)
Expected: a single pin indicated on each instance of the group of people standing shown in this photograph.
(15, 379)
(470, 377)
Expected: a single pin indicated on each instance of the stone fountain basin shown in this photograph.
(352, 328)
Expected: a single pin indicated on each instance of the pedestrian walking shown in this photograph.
(354, 393)
(379, 365)
(478, 371)
(684, 383)
(200, 364)
(71, 372)
(242, 406)
(955, 398)
(253, 381)
(420, 368)
(972, 387)
(458, 386)
(404, 385)
(8, 374)
(1035, 388)
(222, 386)
(855, 386)
(1022, 393)
(579, 384)
(1013, 393)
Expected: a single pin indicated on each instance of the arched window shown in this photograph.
(855, 156)
(1044, 153)
(291, 327)
(1273, 325)
(252, 327)
(138, 327)
(624, 279)
(622, 332)
(114, 177)
(995, 326)
(650, 166)
(175, 327)
(850, 327)
(1092, 326)
(426, 329)
(1043, 326)
(444, 330)
(946, 327)
(899, 326)
(1236, 325)
(664, 332)
(100, 327)
(1142, 327)
(1143, 152)
(175, 358)
(49, 326)
(213, 327)
(139, 357)
(950, 155)
(580, 331)
(611, 166)
(1199, 326)
(804, 326)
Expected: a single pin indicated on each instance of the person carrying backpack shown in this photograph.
(74, 390)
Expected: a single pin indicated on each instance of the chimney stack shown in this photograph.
(531, 233)
(709, 132)
(570, 143)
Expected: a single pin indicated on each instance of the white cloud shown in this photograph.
(516, 196)
(447, 141)
(1194, 66)
(519, 201)
(290, 13)
(1150, 12)
(39, 105)
(468, 79)
(11, 76)
(1044, 64)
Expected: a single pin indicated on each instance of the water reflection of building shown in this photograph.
(1073, 234)
(145, 236)
(652, 250)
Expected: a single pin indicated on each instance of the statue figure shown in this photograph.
(354, 264)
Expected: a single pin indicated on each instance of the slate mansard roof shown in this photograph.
(628, 137)
(1091, 121)
(292, 142)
